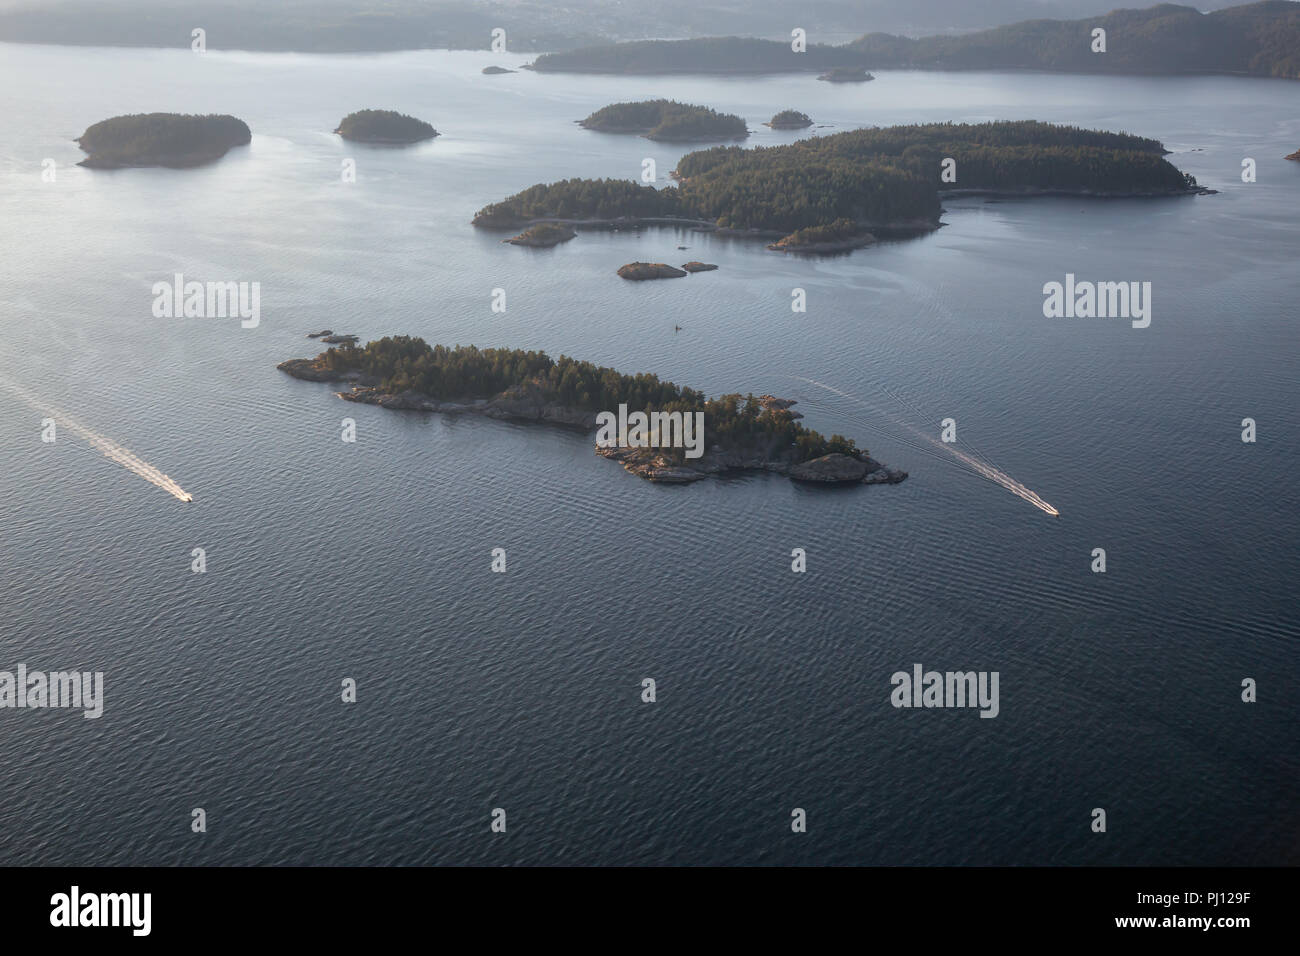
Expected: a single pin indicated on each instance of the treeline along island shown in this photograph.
(886, 180)
(740, 431)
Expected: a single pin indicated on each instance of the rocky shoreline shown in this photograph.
(384, 140)
(833, 469)
(521, 404)
(1036, 191)
(897, 229)
(164, 160)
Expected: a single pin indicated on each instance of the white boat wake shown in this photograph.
(109, 448)
(980, 467)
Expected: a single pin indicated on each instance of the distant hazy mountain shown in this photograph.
(1259, 39)
(531, 25)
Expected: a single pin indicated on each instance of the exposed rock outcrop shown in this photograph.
(649, 270)
(834, 468)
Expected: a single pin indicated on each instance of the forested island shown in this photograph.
(790, 119)
(667, 121)
(384, 128)
(740, 431)
(173, 140)
(884, 181)
(1260, 39)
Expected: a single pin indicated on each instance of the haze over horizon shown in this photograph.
(78, 20)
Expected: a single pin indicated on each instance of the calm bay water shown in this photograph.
(479, 690)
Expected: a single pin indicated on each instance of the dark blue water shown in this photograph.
(476, 690)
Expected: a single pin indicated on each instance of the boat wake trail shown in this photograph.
(109, 448)
(978, 465)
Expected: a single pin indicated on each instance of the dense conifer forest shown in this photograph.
(405, 363)
(873, 177)
(167, 139)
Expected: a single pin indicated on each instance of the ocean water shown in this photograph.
(522, 691)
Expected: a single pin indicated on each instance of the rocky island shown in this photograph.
(789, 119)
(741, 432)
(856, 186)
(495, 70)
(172, 140)
(542, 236)
(639, 271)
(384, 128)
(667, 121)
(1295, 155)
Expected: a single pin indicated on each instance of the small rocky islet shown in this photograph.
(839, 236)
(789, 119)
(384, 128)
(543, 235)
(330, 337)
(641, 271)
(667, 121)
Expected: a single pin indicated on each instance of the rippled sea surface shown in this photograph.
(370, 561)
